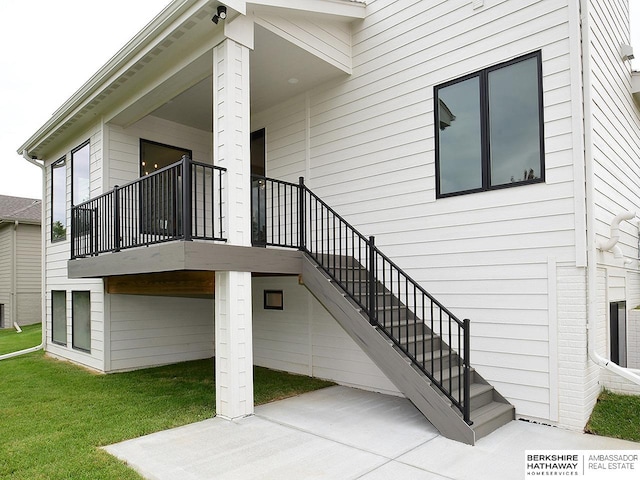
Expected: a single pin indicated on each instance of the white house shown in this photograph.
(489, 146)
(20, 261)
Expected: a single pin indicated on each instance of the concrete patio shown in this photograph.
(342, 433)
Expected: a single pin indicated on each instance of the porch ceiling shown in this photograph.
(279, 70)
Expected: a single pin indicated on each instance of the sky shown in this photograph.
(51, 48)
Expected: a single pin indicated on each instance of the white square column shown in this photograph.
(231, 143)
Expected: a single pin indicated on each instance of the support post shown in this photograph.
(233, 296)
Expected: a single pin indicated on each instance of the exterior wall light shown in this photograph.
(221, 15)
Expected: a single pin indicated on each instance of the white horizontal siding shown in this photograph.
(58, 254)
(148, 331)
(124, 145)
(616, 122)
(327, 40)
(370, 154)
(305, 339)
(615, 117)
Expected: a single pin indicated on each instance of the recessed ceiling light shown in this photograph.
(293, 81)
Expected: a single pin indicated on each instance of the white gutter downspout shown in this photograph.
(26, 156)
(590, 198)
(14, 280)
(611, 245)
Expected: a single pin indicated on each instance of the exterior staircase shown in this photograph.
(488, 409)
(422, 347)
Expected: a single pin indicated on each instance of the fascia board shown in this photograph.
(139, 44)
(341, 8)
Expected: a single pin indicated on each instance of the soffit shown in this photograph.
(170, 39)
(279, 70)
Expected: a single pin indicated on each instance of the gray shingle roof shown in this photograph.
(19, 208)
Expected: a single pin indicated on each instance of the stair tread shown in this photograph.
(488, 412)
(476, 389)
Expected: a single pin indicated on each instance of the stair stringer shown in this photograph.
(414, 385)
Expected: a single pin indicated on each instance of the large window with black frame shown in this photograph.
(489, 128)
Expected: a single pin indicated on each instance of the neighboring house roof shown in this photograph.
(26, 210)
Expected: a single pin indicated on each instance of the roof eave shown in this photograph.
(137, 44)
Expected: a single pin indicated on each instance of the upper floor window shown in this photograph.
(489, 128)
(58, 200)
(80, 174)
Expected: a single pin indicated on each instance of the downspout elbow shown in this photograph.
(614, 236)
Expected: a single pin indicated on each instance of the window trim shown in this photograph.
(73, 322)
(53, 319)
(61, 162)
(485, 146)
(279, 305)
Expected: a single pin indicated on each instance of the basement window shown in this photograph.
(273, 300)
(81, 320)
(59, 317)
(618, 333)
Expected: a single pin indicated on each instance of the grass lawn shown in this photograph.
(616, 416)
(54, 415)
(12, 341)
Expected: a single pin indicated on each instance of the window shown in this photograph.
(258, 189)
(81, 320)
(58, 200)
(59, 317)
(273, 300)
(80, 190)
(489, 128)
(1, 315)
(618, 333)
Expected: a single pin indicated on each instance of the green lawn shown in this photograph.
(12, 341)
(616, 416)
(54, 415)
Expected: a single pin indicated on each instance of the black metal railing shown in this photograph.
(164, 206)
(437, 342)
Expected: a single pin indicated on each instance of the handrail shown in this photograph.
(164, 206)
(290, 215)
